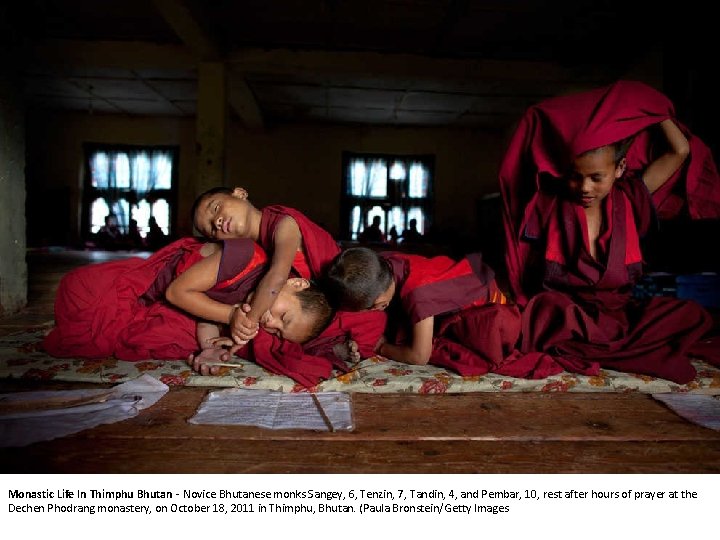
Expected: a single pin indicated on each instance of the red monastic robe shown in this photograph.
(118, 308)
(476, 331)
(314, 361)
(318, 247)
(587, 315)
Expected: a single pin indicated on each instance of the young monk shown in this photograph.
(290, 239)
(299, 313)
(116, 308)
(575, 252)
(449, 313)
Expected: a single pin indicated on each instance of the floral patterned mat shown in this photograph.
(20, 357)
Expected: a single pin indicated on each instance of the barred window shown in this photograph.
(397, 189)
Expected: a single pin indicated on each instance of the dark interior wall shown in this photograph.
(298, 166)
(301, 166)
(683, 246)
(56, 165)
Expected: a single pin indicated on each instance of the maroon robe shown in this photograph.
(118, 308)
(587, 316)
(314, 361)
(475, 329)
(318, 247)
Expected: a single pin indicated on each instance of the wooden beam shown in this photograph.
(139, 55)
(130, 55)
(402, 66)
(239, 95)
(182, 21)
(243, 102)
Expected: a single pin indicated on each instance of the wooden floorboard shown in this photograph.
(188, 455)
(525, 433)
(394, 433)
(454, 417)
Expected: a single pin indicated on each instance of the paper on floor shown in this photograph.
(698, 408)
(38, 416)
(275, 410)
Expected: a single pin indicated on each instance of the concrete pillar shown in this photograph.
(13, 268)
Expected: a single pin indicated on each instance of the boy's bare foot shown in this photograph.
(200, 362)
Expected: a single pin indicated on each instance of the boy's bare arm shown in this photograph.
(660, 170)
(188, 290)
(419, 352)
(287, 242)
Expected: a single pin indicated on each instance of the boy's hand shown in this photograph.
(242, 329)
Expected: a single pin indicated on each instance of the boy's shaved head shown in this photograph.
(200, 198)
(620, 149)
(314, 302)
(356, 278)
(299, 313)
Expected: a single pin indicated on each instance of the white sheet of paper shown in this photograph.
(125, 401)
(700, 409)
(275, 410)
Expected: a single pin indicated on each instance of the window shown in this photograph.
(131, 182)
(397, 189)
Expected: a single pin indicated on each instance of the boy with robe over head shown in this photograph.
(573, 231)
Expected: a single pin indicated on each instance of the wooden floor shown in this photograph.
(461, 433)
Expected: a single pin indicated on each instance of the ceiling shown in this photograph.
(384, 62)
